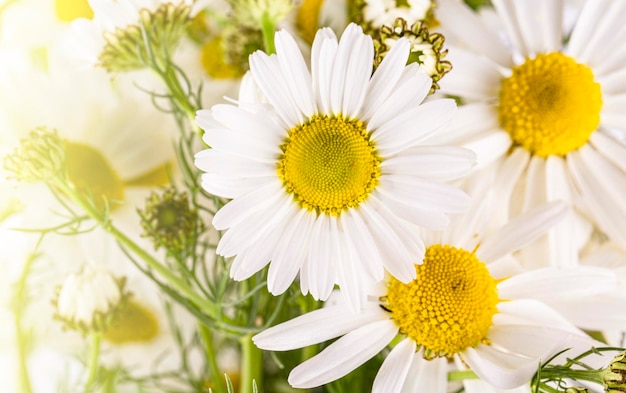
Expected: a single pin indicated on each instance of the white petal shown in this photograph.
(393, 372)
(358, 74)
(610, 148)
(410, 91)
(231, 187)
(316, 326)
(550, 283)
(468, 27)
(427, 376)
(349, 272)
(288, 257)
(296, 73)
(384, 79)
(472, 78)
(440, 163)
(521, 231)
(317, 275)
(425, 194)
(364, 244)
(470, 122)
(216, 161)
(602, 187)
(612, 114)
(238, 209)
(500, 369)
(534, 25)
(322, 58)
(399, 260)
(600, 23)
(344, 355)
(489, 147)
(338, 84)
(269, 77)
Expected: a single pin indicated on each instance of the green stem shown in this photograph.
(178, 93)
(94, 356)
(268, 29)
(176, 282)
(21, 337)
(577, 375)
(218, 378)
(251, 364)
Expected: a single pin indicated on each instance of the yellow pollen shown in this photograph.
(134, 324)
(550, 105)
(68, 10)
(92, 175)
(307, 19)
(329, 164)
(449, 306)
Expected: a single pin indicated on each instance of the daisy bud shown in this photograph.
(614, 375)
(40, 157)
(426, 48)
(127, 48)
(169, 221)
(88, 301)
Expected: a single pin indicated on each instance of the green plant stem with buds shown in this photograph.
(251, 361)
(94, 356)
(176, 282)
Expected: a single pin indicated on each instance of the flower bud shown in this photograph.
(614, 376)
(89, 300)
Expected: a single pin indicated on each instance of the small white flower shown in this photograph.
(332, 175)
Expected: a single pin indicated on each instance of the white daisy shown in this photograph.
(469, 302)
(552, 114)
(331, 177)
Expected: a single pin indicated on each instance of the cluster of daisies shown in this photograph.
(444, 179)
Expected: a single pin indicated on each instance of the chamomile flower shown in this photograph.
(469, 302)
(552, 113)
(331, 176)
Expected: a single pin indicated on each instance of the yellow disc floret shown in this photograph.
(550, 105)
(329, 164)
(134, 324)
(449, 306)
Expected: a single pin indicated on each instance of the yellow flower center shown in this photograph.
(307, 19)
(68, 10)
(329, 164)
(133, 324)
(92, 175)
(550, 105)
(449, 306)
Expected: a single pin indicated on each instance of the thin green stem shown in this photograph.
(268, 29)
(218, 378)
(176, 282)
(251, 364)
(94, 356)
(21, 337)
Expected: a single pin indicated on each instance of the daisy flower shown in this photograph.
(551, 113)
(470, 302)
(332, 176)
